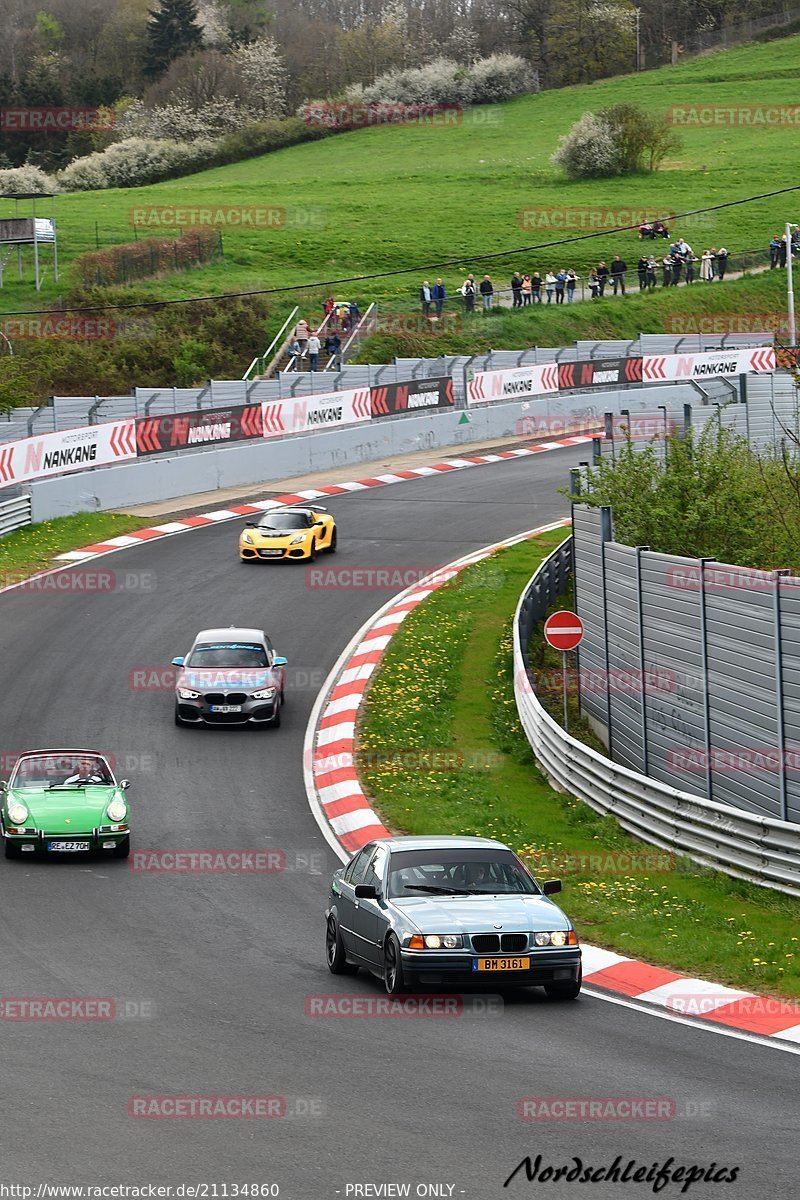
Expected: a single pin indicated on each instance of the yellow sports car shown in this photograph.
(288, 533)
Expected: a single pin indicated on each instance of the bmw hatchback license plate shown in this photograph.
(66, 847)
(501, 964)
(225, 708)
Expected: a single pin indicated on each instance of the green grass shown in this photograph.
(33, 548)
(405, 196)
(441, 750)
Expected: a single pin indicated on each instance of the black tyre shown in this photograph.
(12, 849)
(334, 951)
(122, 849)
(275, 723)
(312, 554)
(570, 990)
(178, 721)
(393, 979)
(332, 547)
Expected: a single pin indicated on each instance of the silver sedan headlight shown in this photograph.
(443, 941)
(557, 937)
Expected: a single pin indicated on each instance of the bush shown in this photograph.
(589, 150)
(501, 77)
(26, 179)
(135, 162)
(620, 140)
(149, 256)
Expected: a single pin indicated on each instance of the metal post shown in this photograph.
(36, 257)
(704, 654)
(642, 675)
(564, 681)
(606, 535)
(663, 408)
(781, 722)
(608, 420)
(790, 284)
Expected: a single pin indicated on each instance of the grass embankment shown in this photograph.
(394, 197)
(442, 751)
(33, 548)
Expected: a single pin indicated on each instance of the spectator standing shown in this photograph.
(301, 332)
(516, 290)
(594, 284)
(425, 297)
(666, 270)
(536, 287)
(333, 348)
(468, 291)
(706, 270)
(561, 283)
(713, 253)
(527, 289)
(293, 349)
(439, 295)
(572, 279)
(641, 271)
(677, 265)
(774, 251)
(722, 262)
(651, 278)
(782, 253)
(690, 260)
(602, 275)
(313, 351)
(329, 306)
(618, 269)
(549, 286)
(487, 292)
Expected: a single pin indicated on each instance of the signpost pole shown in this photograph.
(564, 678)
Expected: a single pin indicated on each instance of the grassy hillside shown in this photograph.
(397, 197)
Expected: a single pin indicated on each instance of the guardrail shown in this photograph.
(14, 514)
(761, 850)
(262, 362)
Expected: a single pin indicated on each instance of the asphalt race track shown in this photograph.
(210, 972)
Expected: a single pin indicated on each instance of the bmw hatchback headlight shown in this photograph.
(265, 693)
(436, 941)
(116, 810)
(188, 694)
(18, 813)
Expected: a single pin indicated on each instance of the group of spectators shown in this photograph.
(558, 287)
(306, 342)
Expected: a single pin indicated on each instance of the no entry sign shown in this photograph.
(563, 630)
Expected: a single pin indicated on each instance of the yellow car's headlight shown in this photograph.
(247, 538)
(301, 537)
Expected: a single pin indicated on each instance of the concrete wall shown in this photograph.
(165, 477)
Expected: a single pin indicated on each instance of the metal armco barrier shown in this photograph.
(14, 514)
(759, 849)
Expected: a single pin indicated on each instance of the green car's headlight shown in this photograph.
(301, 537)
(265, 693)
(247, 538)
(117, 810)
(18, 813)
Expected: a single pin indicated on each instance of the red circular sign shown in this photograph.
(563, 630)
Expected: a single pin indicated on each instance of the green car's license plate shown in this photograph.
(60, 847)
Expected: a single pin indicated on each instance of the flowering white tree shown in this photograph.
(262, 74)
(589, 150)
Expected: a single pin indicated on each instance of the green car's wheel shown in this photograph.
(334, 951)
(122, 849)
(12, 850)
(332, 547)
(564, 991)
(393, 967)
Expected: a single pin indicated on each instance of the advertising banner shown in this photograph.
(67, 450)
(486, 386)
(324, 410)
(417, 395)
(180, 431)
(673, 367)
(599, 372)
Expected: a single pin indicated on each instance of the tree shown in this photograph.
(171, 32)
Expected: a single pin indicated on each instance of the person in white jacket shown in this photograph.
(706, 266)
(313, 351)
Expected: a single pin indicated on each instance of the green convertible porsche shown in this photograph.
(64, 802)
